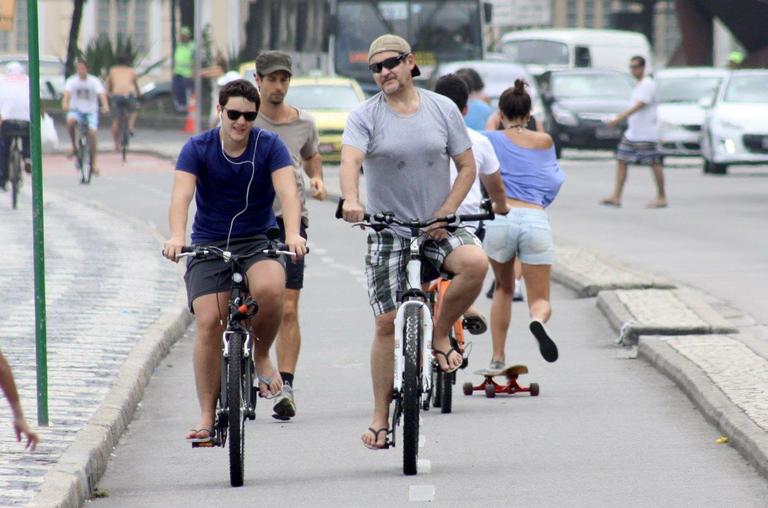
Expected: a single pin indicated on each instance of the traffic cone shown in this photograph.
(189, 122)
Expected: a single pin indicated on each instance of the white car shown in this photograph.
(736, 126)
(681, 116)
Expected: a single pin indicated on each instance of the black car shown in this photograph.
(579, 103)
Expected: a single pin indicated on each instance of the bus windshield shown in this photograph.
(438, 31)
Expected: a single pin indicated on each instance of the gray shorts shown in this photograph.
(523, 233)
(388, 256)
(212, 275)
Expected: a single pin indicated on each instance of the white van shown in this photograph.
(569, 48)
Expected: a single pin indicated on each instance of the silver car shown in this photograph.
(497, 75)
(736, 126)
(680, 90)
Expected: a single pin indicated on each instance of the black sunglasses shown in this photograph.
(234, 114)
(390, 63)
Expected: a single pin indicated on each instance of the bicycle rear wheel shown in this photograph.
(411, 389)
(84, 160)
(236, 418)
(124, 136)
(14, 167)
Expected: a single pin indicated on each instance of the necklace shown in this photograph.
(519, 127)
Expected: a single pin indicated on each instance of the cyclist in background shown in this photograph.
(82, 95)
(14, 116)
(298, 131)
(123, 90)
(234, 172)
(456, 89)
(406, 137)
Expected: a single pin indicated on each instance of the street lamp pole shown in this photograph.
(198, 65)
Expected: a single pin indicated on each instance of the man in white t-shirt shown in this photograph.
(82, 95)
(14, 116)
(456, 89)
(640, 143)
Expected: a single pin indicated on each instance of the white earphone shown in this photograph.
(252, 162)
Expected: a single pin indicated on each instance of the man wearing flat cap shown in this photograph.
(298, 131)
(404, 137)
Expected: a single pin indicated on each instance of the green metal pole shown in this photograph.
(37, 207)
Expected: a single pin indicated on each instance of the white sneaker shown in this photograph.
(285, 407)
(519, 294)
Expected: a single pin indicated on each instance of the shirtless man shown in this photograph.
(123, 90)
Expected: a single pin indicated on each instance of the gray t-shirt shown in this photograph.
(407, 158)
(301, 138)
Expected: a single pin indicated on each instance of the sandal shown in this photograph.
(376, 433)
(198, 440)
(445, 355)
(266, 380)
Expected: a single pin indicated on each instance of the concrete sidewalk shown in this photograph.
(722, 370)
(114, 306)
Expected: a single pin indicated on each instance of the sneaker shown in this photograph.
(547, 347)
(518, 295)
(496, 365)
(285, 407)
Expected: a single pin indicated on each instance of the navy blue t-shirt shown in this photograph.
(221, 187)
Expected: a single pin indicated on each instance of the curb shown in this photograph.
(631, 327)
(72, 480)
(749, 439)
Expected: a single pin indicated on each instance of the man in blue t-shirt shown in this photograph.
(234, 173)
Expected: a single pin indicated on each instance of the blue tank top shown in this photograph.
(529, 175)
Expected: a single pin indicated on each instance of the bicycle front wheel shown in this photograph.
(411, 389)
(14, 167)
(236, 418)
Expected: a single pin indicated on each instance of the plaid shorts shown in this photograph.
(387, 259)
(638, 152)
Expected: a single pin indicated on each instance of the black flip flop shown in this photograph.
(445, 355)
(547, 347)
(376, 438)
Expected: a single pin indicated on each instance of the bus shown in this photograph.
(438, 31)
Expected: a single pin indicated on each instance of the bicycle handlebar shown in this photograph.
(276, 249)
(389, 219)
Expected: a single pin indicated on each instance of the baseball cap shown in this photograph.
(271, 61)
(391, 42)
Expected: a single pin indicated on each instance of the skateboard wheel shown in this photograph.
(534, 389)
(490, 391)
(468, 388)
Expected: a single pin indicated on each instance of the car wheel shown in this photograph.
(713, 168)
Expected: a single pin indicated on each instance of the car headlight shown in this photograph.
(728, 125)
(563, 116)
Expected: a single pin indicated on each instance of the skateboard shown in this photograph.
(491, 387)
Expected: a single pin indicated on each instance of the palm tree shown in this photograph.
(74, 34)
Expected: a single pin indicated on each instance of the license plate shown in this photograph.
(326, 147)
(765, 142)
(607, 133)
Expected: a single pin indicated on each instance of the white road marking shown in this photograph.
(424, 466)
(421, 493)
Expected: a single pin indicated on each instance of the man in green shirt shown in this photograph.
(183, 69)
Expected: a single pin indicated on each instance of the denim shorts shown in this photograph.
(92, 118)
(522, 233)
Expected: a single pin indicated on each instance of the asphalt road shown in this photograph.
(604, 430)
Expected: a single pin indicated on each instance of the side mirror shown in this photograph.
(706, 102)
(488, 12)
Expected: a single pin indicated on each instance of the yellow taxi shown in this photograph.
(328, 99)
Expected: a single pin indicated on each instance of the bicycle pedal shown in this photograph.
(204, 444)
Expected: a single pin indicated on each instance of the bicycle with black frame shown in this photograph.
(412, 387)
(16, 134)
(84, 151)
(237, 395)
(123, 106)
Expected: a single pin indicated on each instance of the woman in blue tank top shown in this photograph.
(532, 179)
